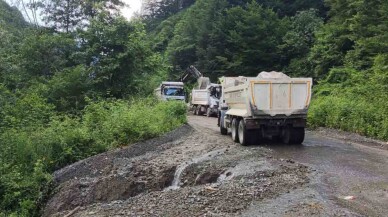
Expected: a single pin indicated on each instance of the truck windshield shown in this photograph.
(174, 92)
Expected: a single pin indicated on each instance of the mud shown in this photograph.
(195, 171)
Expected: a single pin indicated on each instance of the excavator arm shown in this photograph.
(191, 70)
(202, 81)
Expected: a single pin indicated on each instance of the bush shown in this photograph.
(31, 153)
(350, 114)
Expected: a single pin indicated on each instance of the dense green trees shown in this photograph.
(222, 36)
(68, 15)
(350, 57)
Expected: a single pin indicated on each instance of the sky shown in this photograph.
(128, 11)
(133, 6)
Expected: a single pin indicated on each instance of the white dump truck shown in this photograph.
(271, 105)
(206, 101)
(170, 90)
(206, 96)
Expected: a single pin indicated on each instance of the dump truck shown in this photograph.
(170, 90)
(206, 101)
(271, 105)
(206, 96)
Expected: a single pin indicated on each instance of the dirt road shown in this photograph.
(195, 171)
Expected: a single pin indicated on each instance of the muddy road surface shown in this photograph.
(195, 171)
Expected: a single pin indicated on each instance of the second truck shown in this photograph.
(206, 96)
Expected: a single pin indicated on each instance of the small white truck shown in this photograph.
(271, 105)
(206, 101)
(206, 96)
(170, 90)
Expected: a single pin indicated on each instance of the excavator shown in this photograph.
(205, 98)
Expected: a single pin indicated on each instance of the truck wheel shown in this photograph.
(234, 129)
(242, 133)
(195, 110)
(208, 112)
(224, 131)
(298, 134)
(254, 137)
(286, 135)
(199, 110)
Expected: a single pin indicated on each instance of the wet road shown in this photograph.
(342, 169)
(346, 170)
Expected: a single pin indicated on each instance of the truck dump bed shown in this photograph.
(269, 94)
(200, 97)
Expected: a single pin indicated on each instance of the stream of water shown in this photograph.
(176, 183)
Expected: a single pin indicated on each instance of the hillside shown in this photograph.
(11, 17)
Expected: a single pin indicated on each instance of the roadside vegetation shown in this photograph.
(82, 84)
(69, 92)
(33, 150)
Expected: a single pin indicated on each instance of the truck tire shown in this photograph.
(298, 134)
(234, 128)
(293, 135)
(208, 112)
(255, 137)
(199, 110)
(224, 131)
(242, 133)
(286, 135)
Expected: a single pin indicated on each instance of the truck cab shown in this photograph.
(169, 90)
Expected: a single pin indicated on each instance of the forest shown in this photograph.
(82, 83)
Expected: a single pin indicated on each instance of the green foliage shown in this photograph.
(68, 16)
(31, 152)
(116, 124)
(353, 101)
(68, 89)
(54, 90)
(347, 114)
(119, 57)
(355, 34)
(191, 33)
(298, 41)
(221, 39)
(252, 34)
(350, 56)
(10, 17)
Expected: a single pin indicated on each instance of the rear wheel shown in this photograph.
(209, 112)
(298, 134)
(254, 137)
(286, 135)
(199, 110)
(224, 131)
(293, 135)
(234, 129)
(242, 133)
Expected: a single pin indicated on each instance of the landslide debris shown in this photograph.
(213, 176)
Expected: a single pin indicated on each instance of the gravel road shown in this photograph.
(195, 171)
